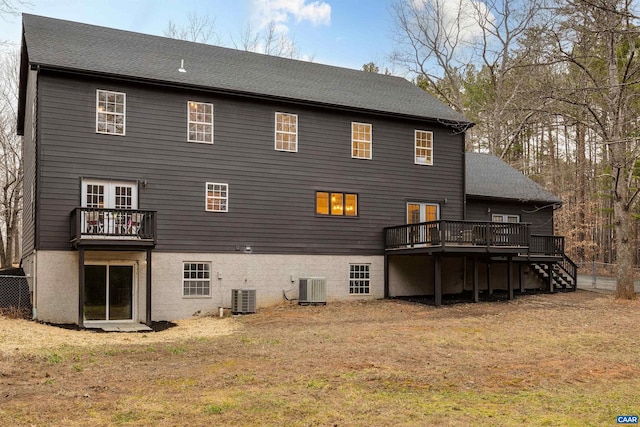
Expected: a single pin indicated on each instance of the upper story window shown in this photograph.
(424, 147)
(336, 204)
(217, 197)
(110, 112)
(200, 122)
(505, 218)
(360, 140)
(286, 132)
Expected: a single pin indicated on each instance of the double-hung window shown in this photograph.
(110, 112)
(217, 197)
(360, 140)
(200, 122)
(336, 204)
(196, 279)
(423, 147)
(513, 219)
(359, 278)
(286, 132)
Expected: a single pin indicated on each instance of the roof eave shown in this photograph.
(556, 203)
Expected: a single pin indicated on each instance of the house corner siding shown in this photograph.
(29, 164)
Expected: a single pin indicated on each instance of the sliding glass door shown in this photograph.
(108, 292)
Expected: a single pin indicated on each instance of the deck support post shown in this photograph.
(437, 280)
(510, 276)
(475, 279)
(489, 289)
(550, 277)
(81, 280)
(386, 275)
(521, 277)
(148, 289)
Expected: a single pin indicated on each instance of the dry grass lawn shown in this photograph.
(564, 359)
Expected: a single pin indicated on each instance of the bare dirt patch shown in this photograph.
(565, 359)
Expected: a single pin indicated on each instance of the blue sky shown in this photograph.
(347, 33)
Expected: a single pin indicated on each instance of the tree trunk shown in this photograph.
(624, 251)
(581, 196)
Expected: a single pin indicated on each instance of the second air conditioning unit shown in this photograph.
(243, 301)
(313, 290)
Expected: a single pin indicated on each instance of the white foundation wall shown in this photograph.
(55, 286)
(54, 282)
(267, 274)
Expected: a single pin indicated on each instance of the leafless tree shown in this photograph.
(9, 7)
(598, 40)
(451, 45)
(269, 41)
(199, 28)
(10, 160)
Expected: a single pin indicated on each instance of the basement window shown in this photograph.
(359, 279)
(196, 281)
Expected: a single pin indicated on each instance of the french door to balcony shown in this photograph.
(100, 196)
(108, 292)
(109, 194)
(422, 212)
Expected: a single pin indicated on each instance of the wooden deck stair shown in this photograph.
(562, 279)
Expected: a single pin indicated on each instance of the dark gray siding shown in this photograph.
(29, 166)
(271, 193)
(540, 215)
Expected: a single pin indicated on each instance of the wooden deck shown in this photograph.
(494, 242)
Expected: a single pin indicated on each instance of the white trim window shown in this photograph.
(361, 145)
(199, 122)
(110, 112)
(286, 138)
(424, 147)
(359, 279)
(508, 218)
(196, 279)
(217, 197)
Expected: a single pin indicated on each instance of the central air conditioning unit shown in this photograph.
(313, 290)
(243, 301)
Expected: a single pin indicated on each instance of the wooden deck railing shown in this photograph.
(444, 232)
(546, 245)
(119, 224)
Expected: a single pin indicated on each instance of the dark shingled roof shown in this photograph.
(59, 44)
(488, 176)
